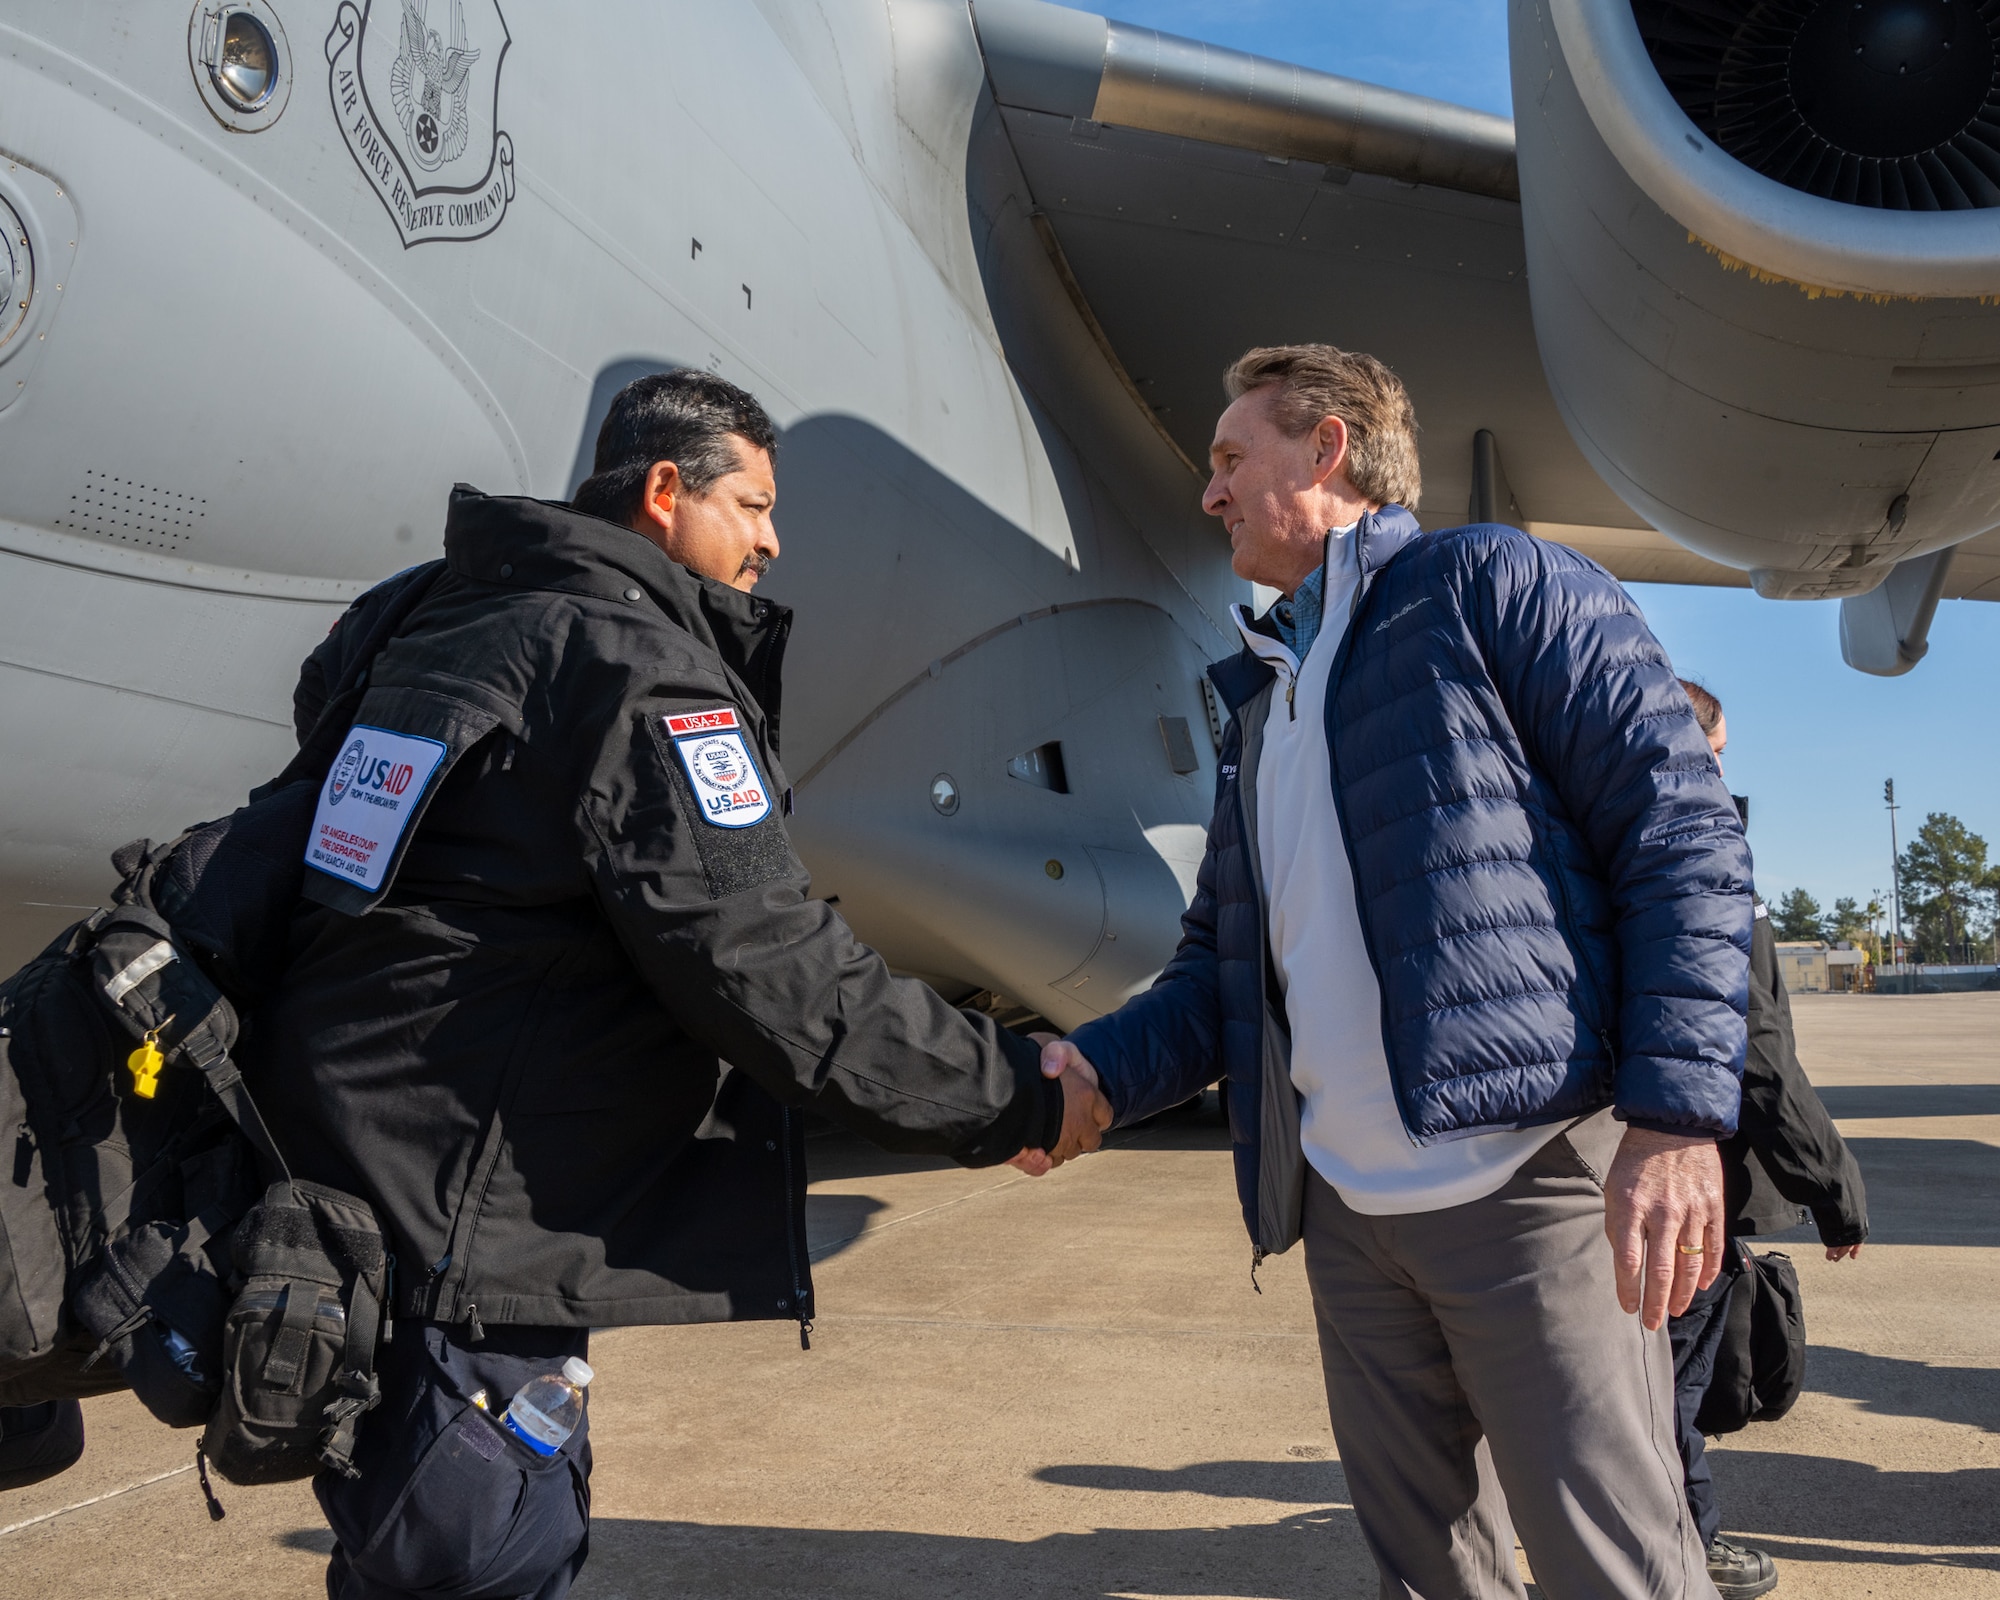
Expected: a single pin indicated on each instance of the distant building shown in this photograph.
(1847, 969)
(1803, 965)
(1812, 966)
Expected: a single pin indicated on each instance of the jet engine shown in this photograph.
(1763, 244)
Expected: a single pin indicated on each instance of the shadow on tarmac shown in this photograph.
(835, 1221)
(1783, 1502)
(1892, 1388)
(1301, 1557)
(1858, 1100)
(1299, 1483)
(1930, 1191)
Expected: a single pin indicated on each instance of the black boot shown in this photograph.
(37, 1442)
(1739, 1571)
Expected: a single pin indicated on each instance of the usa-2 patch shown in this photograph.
(727, 785)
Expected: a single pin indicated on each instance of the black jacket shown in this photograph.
(1786, 1153)
(515, 1046)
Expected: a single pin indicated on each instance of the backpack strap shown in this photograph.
(360, 1390)
(204, 1052)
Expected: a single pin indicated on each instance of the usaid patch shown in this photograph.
(727, 785)
(371, 792)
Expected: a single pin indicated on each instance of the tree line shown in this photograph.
(1951, 901)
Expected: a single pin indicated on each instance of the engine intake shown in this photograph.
(1885, 103)
(1820, 442)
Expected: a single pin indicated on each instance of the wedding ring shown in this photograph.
(1692, 1250)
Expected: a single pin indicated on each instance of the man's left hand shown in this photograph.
(1663, 1212)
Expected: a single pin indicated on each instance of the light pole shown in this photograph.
(1895, 865)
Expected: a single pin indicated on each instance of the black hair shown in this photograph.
(683, 416)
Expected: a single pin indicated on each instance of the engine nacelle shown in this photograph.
(1758, 241)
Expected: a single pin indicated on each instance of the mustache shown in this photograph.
(756, 561)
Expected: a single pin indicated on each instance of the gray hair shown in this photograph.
(1317, 381)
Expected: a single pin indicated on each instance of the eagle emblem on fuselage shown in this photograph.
(420, 113)
(429, 84)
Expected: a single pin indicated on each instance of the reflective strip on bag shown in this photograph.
(137, 971)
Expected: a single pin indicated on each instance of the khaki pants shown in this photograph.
(1477, 1364)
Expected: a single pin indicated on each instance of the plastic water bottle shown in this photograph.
(182, 1354)
(547, 1409)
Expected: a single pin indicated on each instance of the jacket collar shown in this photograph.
(1381, 537)
(1384, 535)
(511, 541)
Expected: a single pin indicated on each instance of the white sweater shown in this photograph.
(1352, 1130)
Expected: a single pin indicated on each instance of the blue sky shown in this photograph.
(1450, 49)
(1810, 740)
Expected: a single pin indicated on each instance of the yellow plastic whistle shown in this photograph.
(146, 1062)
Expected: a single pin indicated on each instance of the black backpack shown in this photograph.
(151, 1234)
(126, 1177)
(142, 1254)
(1760, 1365)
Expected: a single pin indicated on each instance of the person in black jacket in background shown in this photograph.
(1786, 1159)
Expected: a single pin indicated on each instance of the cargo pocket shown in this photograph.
(481, 1515)
(280, 1345)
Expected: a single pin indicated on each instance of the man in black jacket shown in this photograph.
(557, 992)
(1785, 1157)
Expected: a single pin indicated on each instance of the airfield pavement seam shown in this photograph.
(821, 1252)
(96, 1499)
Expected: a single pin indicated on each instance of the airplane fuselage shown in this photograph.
(262, 354)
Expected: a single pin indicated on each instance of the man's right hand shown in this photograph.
(1086, 1113)
(1663, 1213)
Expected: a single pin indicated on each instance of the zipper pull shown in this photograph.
(1256, 1261)
(215, 1511)
(389, 1298)
(474, 1329)
(1291, 689)
(805, 1333)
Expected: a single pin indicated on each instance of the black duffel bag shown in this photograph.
(1760, 1365)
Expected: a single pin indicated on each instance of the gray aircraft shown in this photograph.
(277, 272)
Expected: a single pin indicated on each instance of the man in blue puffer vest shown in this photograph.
(1470, 941)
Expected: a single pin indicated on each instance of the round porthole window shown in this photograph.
(944, 794)
(17, 273)
(241, 62)
(246, 67)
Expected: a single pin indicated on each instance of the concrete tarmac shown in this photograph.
(1069, 1387)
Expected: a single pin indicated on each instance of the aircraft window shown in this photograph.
(241, 62)
(248, 69)
(944, 794)
(1042, 767)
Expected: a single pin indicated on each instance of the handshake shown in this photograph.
(1086, 1113)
